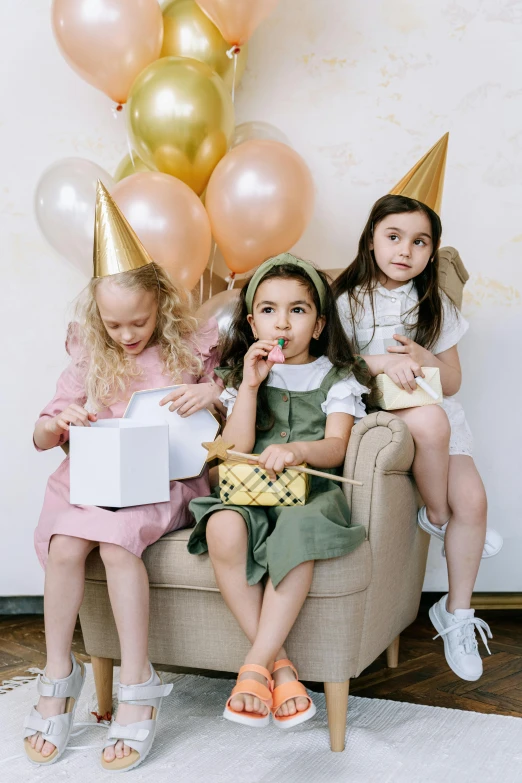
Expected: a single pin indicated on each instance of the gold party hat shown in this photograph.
(116, 246)
(425, 181)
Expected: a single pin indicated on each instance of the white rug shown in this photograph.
(386, 742)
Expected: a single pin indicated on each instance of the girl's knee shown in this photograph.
(226, 535)
(429, 425)
(114, 555)
(68, 550)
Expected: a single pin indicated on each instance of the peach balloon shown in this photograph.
(108, 42)
(170, 220)
(236, 20)
(260, 199)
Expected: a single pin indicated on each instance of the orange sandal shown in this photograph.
(290, 690)
(251, 688)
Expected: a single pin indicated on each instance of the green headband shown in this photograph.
(284, 259)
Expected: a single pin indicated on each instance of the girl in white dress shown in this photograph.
(399, 319)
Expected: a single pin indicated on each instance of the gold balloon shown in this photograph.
(188, 32)
(128, 166)
(180, 119)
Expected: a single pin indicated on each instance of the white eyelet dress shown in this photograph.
(395, 313)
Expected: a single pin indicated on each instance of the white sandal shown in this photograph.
(56, 729)
(140, 735)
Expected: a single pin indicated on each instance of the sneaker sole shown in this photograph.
(429, 530)
(432, 530)
(483, 557)
(439, 627)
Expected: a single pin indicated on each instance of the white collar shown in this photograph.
(408, 289)
(321, 361)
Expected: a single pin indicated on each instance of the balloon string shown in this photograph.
(201, 283)
(211, 269)
(233, 53)
(234, 77)
(231, 281)
(129, 147)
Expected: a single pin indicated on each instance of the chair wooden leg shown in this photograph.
(336, 694)
(392, 653)
(103, 670)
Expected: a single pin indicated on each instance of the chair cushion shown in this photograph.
(170, 565)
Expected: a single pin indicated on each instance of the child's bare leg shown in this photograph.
(227, 540)
(63, 595)
(430, 429)
(128, 586)
(466, 532)
(280, 609)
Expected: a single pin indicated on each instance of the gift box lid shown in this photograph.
(186, 454)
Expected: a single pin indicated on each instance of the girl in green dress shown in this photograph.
(299, 411)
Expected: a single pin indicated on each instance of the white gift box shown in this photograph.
(187, 456)
(119, 463)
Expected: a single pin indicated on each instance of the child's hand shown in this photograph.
(255, 366)
(402, 370)
(192, 397)
(276, 458)
(413, 355)
(411, 348)
(73, 414)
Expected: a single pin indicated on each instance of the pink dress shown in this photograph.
(137, 527)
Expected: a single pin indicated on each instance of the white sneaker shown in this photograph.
(458, 634)
(492, 545)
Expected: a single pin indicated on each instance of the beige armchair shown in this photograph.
(358, 604)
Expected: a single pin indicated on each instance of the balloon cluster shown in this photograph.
(176, 69)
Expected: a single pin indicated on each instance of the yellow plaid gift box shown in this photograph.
(392, 397)
(241, 484)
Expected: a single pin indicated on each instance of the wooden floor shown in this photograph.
(422, 677)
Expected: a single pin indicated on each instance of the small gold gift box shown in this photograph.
(392, 397)
(241, 484)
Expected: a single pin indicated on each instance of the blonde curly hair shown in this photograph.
(110, 369)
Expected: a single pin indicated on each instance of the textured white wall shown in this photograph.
(362, 90)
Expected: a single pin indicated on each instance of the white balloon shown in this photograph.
(258, 130)
(64, 205)
(221, 307)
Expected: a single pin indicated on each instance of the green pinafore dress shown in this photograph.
(282, 537)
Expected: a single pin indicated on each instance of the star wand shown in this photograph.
(218, 449)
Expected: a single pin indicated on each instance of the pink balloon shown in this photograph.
(108, 42)
(236, 20)
(170, 220)
(260, 199)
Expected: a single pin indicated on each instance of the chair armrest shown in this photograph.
(380, 445)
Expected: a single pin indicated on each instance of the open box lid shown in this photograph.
(186, 454)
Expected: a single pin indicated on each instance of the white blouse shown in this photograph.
(394, 313)
(345, 396)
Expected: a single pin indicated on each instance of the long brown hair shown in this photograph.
(332, 342)
(361, 278)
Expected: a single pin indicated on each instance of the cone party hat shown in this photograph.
(425, 181)
(116, 246)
